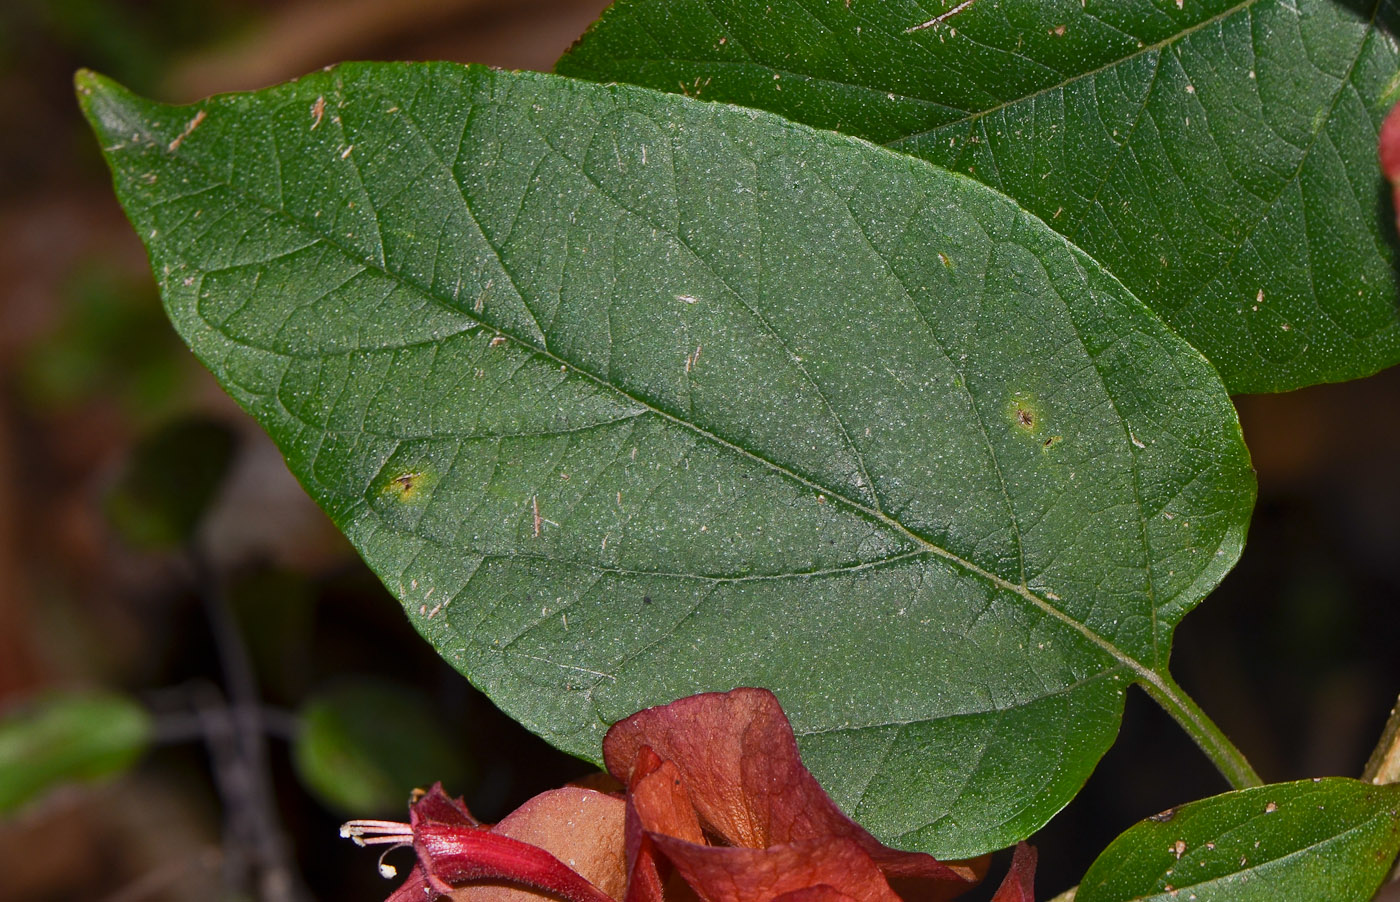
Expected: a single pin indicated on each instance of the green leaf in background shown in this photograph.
(1329, 840)
(1217, 156)
(168, 482)
(66, 737)
(627, 396)
(365, 745)
(108, 346)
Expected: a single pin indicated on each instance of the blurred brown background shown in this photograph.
(1297, 655)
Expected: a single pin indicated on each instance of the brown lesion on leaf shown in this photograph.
(1025, 414)
(407, 486)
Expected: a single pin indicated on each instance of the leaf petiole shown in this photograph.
(1223, 753)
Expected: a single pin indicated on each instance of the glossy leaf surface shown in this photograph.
(627, 396)
(1315, 841)
(1217, 156)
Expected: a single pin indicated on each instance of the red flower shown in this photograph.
(718, 806)
(715, 785)
(1390, 153)
(517, 860)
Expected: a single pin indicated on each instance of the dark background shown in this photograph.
(1297, 655)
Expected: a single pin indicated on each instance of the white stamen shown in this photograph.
(378, 833)
(387, 871)
(393, 834)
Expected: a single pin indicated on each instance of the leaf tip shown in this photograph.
(88, 81)
(107, 105)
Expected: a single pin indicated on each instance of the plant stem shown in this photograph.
(1384, 766)
(1228, 759)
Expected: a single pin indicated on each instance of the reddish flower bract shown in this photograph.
(1390, 154)
(717, 806)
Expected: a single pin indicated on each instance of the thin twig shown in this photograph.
(178, 726)
(941, 17)
(240, 766)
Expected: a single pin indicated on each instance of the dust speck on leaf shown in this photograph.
(189, 129)
(941, 17)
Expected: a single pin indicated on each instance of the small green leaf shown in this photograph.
(1217, 156)
(364, 746)
(1329, 840)
(627, 396)
(169, 480)
(66, 737)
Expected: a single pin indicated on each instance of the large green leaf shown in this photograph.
(1316, 841)
(1217, 156)
(627, 396)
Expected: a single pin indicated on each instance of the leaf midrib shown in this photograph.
(1141, 671)
(1226, 879)
(1089, 73)
(1320, 127)
(969, 115)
